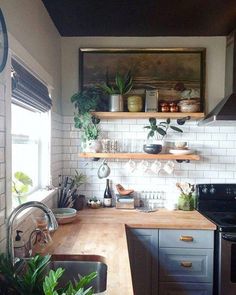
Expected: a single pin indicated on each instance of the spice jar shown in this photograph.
(135, 103)
(165, 107)
(174, 107)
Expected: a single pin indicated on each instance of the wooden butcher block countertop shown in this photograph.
(102, 232)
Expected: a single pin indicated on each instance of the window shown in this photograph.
(30, 128)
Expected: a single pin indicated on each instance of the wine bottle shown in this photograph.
(107, 200)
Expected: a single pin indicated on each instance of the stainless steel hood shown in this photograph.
(224, 114)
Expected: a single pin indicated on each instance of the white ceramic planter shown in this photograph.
(92, 146)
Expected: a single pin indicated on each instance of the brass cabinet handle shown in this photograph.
(186, 238)
(186, 264)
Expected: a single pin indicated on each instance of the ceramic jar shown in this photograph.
(165, 107)
(189, 106)
(135, 103)
(92, 146)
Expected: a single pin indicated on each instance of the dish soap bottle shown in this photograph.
(19, 245)
(107, 199)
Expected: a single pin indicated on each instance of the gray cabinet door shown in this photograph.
(143, 251)
(185, 265)
(185, 289)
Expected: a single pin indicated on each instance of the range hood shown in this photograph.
(224, 114)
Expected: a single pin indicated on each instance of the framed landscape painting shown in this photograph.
(164, 69)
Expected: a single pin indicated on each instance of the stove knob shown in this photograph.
(212, 190)
(204, 189)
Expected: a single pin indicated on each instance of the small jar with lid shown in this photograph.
(165, 107)
(174, 107)
(135, 103)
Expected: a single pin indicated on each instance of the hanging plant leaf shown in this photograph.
(152, 121)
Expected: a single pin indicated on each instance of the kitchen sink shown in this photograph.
(77, 266)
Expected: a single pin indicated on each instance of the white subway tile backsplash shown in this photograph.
(215, 145)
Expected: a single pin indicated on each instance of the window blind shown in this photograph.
(29, 90)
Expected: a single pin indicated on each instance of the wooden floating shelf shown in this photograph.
(139, 156)
(146, 115)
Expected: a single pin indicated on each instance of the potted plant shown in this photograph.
(156, 135)
(20, 186)
(89, 125)
(117, 90)
(186, 198)
(84, 102)
(88, 100)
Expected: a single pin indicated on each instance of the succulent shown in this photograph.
(123, 84)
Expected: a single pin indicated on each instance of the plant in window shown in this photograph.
(20, 185)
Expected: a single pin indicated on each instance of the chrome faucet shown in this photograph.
(52, 223)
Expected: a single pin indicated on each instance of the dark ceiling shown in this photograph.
(143, 17)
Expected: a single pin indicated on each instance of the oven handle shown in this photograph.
(229, 237)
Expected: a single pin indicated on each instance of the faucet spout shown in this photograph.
(52, 222)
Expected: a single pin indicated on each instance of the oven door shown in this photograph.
(227, 264)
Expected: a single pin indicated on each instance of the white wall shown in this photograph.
(29, 23)
(215, 60)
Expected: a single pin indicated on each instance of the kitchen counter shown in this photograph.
(102, 232)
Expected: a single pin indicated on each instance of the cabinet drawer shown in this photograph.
(185, 288)
(185, 265)
(186, 238)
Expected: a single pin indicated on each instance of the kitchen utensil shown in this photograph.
(104, 170)
(156, 167)
(181, 144)
(169, 167)
(130, 166)
(142, 166)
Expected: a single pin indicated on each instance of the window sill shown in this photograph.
(41, 195)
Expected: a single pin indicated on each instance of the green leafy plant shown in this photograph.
(160, 130)
(27, 281)
(89, 125)
(122, 85)
(20, 184)
(30, 279)
(78, 288)
(79, 178)
(87, 100)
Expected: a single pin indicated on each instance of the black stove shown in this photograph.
(218, 203)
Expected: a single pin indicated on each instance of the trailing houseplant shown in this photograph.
(156, 134)
(85, 102)
(116, 90)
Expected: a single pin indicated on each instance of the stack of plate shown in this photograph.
(64, 215)
(184, 151)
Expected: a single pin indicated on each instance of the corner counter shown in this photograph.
(102, 232)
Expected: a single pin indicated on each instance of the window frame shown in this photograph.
(17, 51)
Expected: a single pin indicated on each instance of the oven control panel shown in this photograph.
(217, 191)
